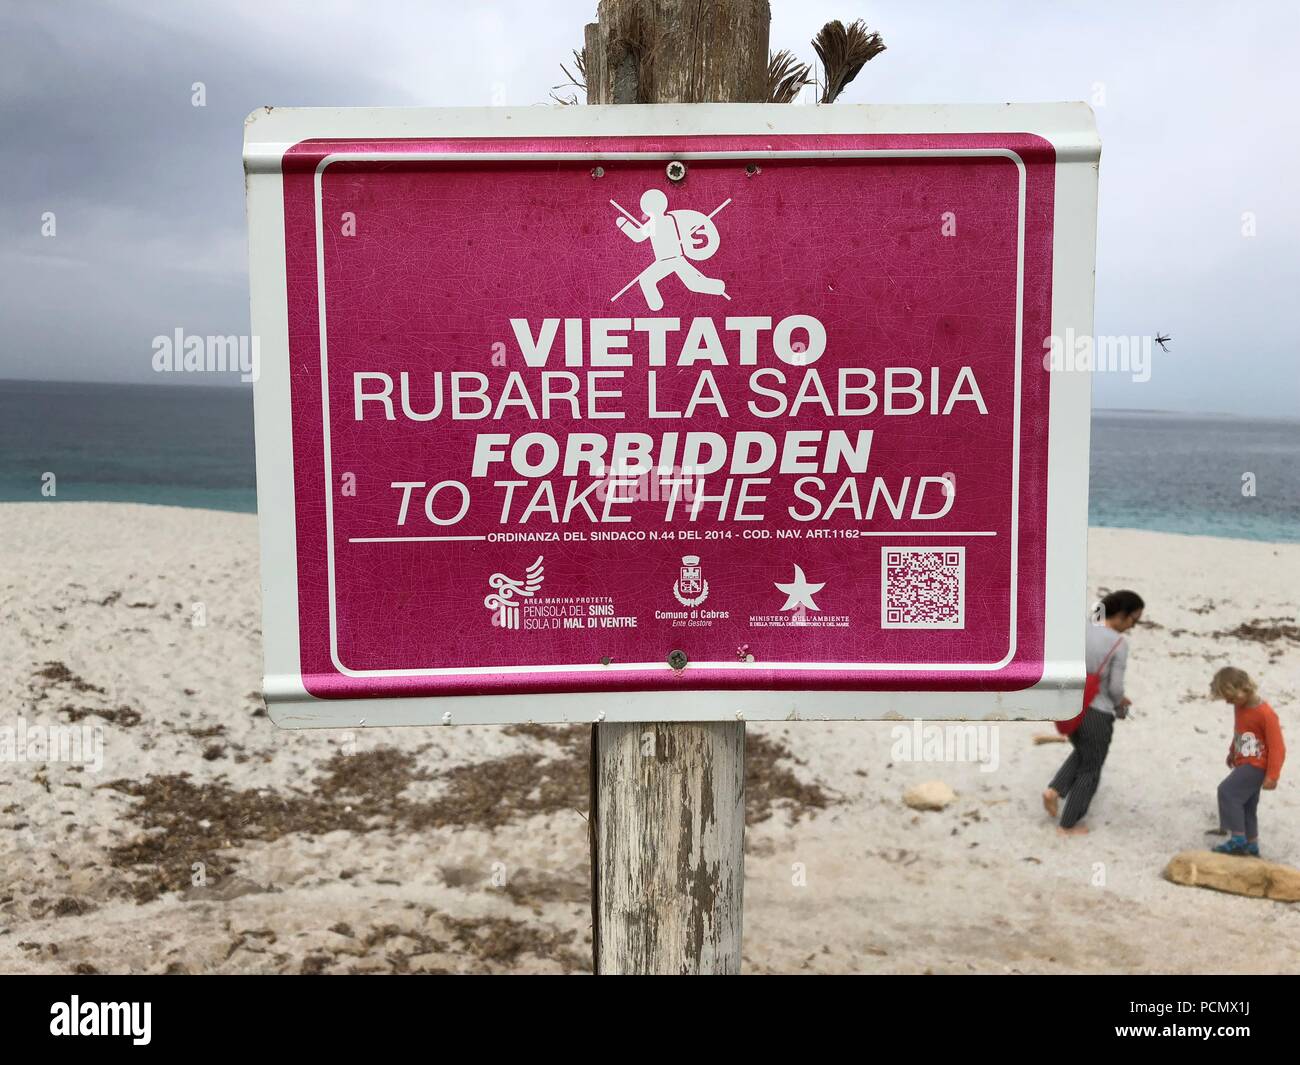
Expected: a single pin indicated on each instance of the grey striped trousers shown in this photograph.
(1077, 779)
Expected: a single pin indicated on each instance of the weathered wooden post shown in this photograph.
(668, 799)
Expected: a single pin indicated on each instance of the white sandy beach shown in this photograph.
(378, 851)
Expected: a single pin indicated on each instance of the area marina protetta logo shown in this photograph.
(504, 599)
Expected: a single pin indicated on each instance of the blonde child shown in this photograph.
(1255, 759)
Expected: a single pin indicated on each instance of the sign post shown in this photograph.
(643, 415)
(667, 812)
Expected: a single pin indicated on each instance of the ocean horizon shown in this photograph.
(192, 446)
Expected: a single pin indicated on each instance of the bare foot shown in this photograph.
(1077, 830)
(1050, 800)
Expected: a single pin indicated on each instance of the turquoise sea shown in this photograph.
(193, 447)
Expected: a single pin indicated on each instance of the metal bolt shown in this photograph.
(678, 660)
(606, 660)
(675, 170)
(598, 171)
(752, 169)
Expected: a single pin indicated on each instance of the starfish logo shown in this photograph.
(799, 592)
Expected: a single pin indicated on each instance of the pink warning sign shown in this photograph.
(566, 418)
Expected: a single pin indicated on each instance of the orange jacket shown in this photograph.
(1257, 740)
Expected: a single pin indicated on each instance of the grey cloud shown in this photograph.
(96, 125)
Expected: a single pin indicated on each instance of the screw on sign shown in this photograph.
(740, 490)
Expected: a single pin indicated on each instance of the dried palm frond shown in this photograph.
(786, 75)
(571, 82)
(843, 53)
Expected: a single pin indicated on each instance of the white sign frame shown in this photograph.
(1070, 128)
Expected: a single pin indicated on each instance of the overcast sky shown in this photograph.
(1196, 111)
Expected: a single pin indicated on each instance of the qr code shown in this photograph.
(922, 588)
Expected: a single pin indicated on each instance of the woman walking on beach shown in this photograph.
(1105, 655)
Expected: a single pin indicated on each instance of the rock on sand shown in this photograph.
(932, 795)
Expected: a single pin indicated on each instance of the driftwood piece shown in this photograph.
(1237, 876)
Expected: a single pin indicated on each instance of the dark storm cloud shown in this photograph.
(1194, 103)
(98, 127)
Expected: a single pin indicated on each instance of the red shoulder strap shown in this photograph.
(1109, 653)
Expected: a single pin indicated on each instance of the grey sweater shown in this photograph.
(1099, 641)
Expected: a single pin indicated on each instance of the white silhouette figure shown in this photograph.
(676, 237)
